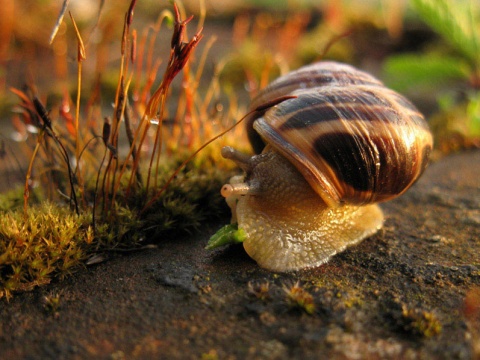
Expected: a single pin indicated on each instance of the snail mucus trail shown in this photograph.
(324, 160)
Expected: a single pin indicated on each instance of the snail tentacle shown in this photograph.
(242, 160)
(253, 188)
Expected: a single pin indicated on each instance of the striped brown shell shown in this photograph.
(354, 140)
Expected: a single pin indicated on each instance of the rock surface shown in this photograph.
(411, 291)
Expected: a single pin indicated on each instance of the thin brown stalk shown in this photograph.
(117, 177)
(131, 139)
(73, 196)
(109, 176)
(179, 55)
(26, 191)
(331, 42)
(136, 158)
(119, 105)
(47, 126)
(150, 80)
(139, 55)
(151, 47)
(188, 126)
(95, 196)
(81, 56)
(203, 15)
(59, 21)
(120, 94)
(133, 49)
(203, 58)
(130, 12)
(133, 152)
(105, 137)
(212, 88)
(158, 135)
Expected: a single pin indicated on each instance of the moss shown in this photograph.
(411, 320)
(420, 322)
(187, 203)
(48, 239)
(52, 241)
(51, 304)
(298, 297)
(353, 302)
(260, 290)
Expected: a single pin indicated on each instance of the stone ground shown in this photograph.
(411, 291)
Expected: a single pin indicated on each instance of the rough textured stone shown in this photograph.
(399, 294)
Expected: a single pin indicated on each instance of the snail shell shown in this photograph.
(344, 143)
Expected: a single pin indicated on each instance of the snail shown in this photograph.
(327, 156)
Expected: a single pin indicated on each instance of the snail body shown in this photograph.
(344, 143)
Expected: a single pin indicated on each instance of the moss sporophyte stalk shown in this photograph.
(85, 192)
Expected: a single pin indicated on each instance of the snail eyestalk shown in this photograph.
(233, 189)
(229, 190)
(241, 159)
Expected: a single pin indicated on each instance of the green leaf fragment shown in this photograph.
(229, 234)
(409, 71)
(473, 113)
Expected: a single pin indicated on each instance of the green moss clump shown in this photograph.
(52, 241)
(419, 322)
(191, 200)
(48, 239)
(413, 321)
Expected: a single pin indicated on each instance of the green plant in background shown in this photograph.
(451, 73)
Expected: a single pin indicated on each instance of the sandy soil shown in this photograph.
(399, 294)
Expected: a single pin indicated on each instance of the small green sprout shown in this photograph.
(51, 304)
(229, 234)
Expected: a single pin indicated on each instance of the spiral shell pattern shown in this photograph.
(354, 140)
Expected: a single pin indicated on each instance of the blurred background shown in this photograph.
(429, 50)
